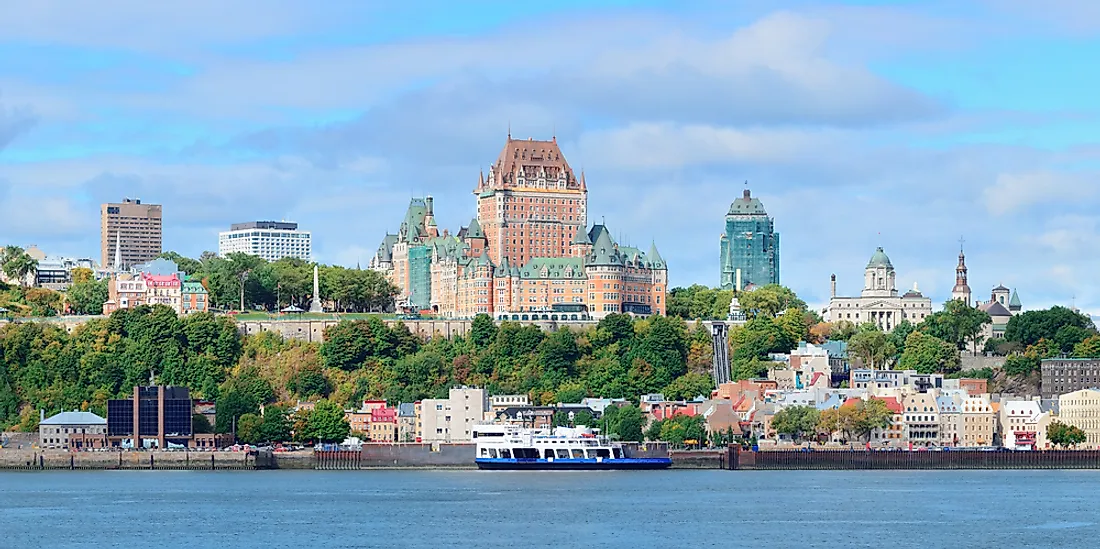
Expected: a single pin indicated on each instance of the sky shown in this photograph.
(905, 124)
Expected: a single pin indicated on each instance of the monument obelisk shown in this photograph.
(315, 306)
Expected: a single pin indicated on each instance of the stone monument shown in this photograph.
(315, 306)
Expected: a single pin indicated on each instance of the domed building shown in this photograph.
(879, 303)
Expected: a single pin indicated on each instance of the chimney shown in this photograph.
(748, 195)
(428, 201)
(41, 415)
(832, 280)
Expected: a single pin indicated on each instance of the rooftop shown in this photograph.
(74, 418)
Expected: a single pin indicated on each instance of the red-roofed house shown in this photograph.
(164, 290)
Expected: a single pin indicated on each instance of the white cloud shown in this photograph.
(1014, 191)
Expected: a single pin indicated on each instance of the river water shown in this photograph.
(894, 509)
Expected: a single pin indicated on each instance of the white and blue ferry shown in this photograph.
(510, 447)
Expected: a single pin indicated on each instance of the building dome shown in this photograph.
(879, 260)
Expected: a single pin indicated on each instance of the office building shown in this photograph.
(1066, 375)
(158, 416)
(271, 240)
(130, 233)
(749, 245)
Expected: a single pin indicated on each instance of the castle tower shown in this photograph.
(531, 204)
(961, 291)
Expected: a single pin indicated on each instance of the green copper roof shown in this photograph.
(553, 267)
(193, 288)
(604, 251)
(747, 205)
(474, 230)
(581, 237)
(879, 260)
(1014, 303)
(654, 257)
(414, 219)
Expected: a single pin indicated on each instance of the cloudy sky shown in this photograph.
(903, 124)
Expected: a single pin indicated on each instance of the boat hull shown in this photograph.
(622, 464)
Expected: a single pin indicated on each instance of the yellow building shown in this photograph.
(1081, 409)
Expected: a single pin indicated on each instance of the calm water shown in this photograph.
(527, 510)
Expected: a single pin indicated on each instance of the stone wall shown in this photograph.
(59, 459)
(978, 362)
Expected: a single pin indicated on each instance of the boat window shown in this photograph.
(618, 452)
(578, 453)
(484, 452)
(548, 454)
(563, 453)
(526, 453)
(506, 453)
(492, 452)
(603, 452)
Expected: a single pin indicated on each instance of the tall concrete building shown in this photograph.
(131, 230)
(531, 204)
(749, 244)
(271, 240)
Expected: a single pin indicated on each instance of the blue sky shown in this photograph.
(859, 124)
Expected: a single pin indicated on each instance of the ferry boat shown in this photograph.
(510, 447)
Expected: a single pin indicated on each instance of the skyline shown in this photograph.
(965, 119)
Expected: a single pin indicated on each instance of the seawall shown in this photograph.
(780, 460)
(30, 460)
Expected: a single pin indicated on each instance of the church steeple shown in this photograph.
(961, 291)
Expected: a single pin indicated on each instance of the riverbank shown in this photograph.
(53, 460)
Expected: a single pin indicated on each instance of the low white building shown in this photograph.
(54, 432)
(452, 419)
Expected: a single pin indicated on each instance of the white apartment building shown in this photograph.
(979, 423)
(452, 419)
(271, 240)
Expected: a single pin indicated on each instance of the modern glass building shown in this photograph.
(158, 416)
(749, 244)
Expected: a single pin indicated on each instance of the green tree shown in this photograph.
(928, 354)
(250, 429)
(769, 301)
(327, 424)
(1029, 327)
(201, 425)
(868, 416)
(958, 324)
(309, 381)
(17, 264)
(87, 298)
(796, 421)
(1064, 435)
(872, 347)
(624, 422)
(688, 386)
(1088, 348)
(483, 331)
(276, 425)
